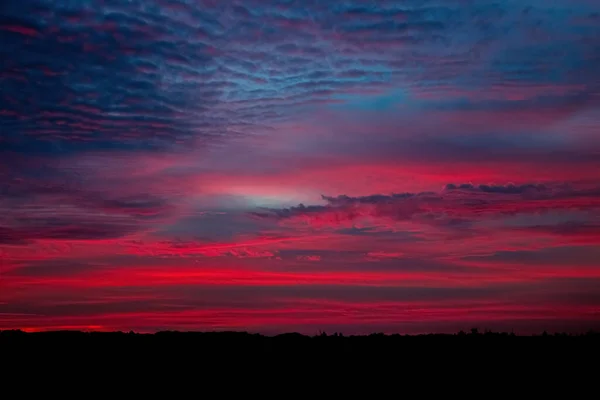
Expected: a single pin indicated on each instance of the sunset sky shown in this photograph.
(356, 166)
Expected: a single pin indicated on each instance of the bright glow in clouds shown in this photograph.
(410, 166)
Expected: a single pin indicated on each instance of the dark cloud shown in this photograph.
(455, 205)
(53, 210)
(61, 228)
(12, 237)
(583, 230)
(113, 76)
(156, 74)
(506, 189)
(570, 256)
(53, 268)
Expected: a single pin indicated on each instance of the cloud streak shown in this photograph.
(453, 205)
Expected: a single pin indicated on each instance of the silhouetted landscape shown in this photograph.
(317, 167)
(292, 342)
(501, 358)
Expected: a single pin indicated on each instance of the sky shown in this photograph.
(348, 166)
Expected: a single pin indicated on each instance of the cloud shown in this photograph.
(241, 252)
(241, 249)
(312, 258)
(456, 204)
(141, 141)
(383, 255)
(190, 76)
(54, 229)
(506, 189)
(569, 233)
(581, 257)
(154, 75)
(118, 84)
(51, 209)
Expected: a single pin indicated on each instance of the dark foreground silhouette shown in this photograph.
(295, 343)
(459, 358)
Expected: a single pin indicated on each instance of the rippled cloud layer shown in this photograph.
(276, 165)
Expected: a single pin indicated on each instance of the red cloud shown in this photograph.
(309, 258)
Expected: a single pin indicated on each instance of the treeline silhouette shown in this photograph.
(289, 342)
(322, 355)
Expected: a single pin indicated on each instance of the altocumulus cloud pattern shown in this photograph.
(399, 166)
